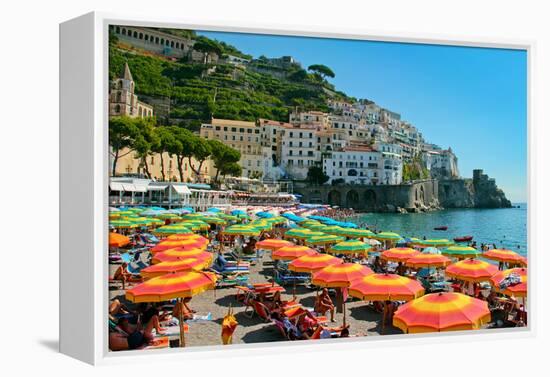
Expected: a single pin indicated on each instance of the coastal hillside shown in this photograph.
(194, 92)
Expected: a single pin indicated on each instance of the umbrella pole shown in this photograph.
(182, 324)
(384, 317)
(344, 306)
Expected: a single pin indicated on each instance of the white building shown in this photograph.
(391, 168)
(300, 150)
(441, 163)
(354, 165)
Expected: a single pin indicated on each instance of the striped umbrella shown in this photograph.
(324, 239)
(175, 254)
(507, 256)
(292, 252)
(242, 230)
(172, 229)
(442, 312)
(333, 229)
(192, 236)
(472, 270)
(191, 243)
(186, 264)
(350, 247)
(196, 225)
(340, 275)
(461, 251)
(440, 242)
(517, 290)
(399, 254)
(272, 244)
(428, 261)
(118, 240)
(383, 287)
(356, 233)
(173, 285)
(301, 233)
(122, 224)
(313, 263)
(387, 236)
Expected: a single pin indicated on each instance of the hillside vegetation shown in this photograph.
(199, 91)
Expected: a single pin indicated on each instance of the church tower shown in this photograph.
(123, 101)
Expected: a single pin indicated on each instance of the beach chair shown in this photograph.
(259, 309)
(232, 280)
(285, 277)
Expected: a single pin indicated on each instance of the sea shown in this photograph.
(505, 227)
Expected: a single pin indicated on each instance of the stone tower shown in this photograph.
(123, 101)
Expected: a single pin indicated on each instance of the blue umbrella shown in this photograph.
(236, 212)
(214, 209)
(264, 215)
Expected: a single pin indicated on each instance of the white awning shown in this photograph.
(157, 187)
(140, 187)
(116, 186)
(129, 187)
(182, 190)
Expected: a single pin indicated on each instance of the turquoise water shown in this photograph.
(505, 227)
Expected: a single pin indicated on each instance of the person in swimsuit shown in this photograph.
(324, 304)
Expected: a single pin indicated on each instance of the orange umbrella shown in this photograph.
(427, 261)
(472, 270)
(173, 285)
(177, 254)
(517, 290)
(272, 244)
(399, 254)
(292, 252)
(312, 263)
(340, 275)
(382, 287)
(442, 312)
(118, 240)
(179, 265)
(181, 244)
(507, 256)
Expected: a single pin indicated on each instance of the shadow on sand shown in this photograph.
(366, 313)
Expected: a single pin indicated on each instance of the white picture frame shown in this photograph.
(84, 182)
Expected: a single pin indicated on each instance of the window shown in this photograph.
(225, 128)
(233, 129)
(249, 130)
(241, 130)
(218, 128)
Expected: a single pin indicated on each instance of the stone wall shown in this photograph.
(414, 197)
(456, 193)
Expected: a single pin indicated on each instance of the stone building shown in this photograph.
(122, 99)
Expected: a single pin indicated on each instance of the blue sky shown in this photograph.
(472, 99)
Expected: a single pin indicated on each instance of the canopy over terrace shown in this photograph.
(138, 191)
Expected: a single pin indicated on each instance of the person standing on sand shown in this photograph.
(324, 304)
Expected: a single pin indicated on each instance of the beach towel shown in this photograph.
(229, 324)
(510, 280)
(160, 342)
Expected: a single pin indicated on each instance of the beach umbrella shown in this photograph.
(382, 287)
(236, 212)
(333, 229)
(428, 261)
(515, 290)
(118, 240)
(264, 215)
(324, 239)
(292, 252)
(185, 264)
(350, 247)
(214, 220)
(441, 242)
(191, 243)
(340, 275)
(171, 229)
(272, 244)
(299, 233)
(177, 285)
(195, 224)
(313, 263)
(472, 270)
(114, 216)
(191, 236)
(175, 254)
(399, 254)
(356, 233)
(387, 236)
(461, 251)
(504, 255)
(169, 216)
(122, 224)
(241, 230)
(442, 312)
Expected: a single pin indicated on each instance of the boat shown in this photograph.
(441, 228)
(463, 239)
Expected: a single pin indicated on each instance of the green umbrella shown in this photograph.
(242, 230)
(350, 247)
(356, 233)
(461, 251)
(324, 239)
(441, 242)
(172, 229)
(387, 236)
(122, 224)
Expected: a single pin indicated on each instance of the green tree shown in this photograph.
(316, 175)
(201, 150)
(225, 158)
(321, 70)
(207, 47)
(146, 141)
(123, 132)
(166, 143)
(232, 169)
(181, 146)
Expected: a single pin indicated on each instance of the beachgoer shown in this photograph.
(181, 308)
(324, 304)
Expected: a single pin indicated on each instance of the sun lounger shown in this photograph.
(285, 277)
(157, 343)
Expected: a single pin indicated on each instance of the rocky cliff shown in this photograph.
(479, 192)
